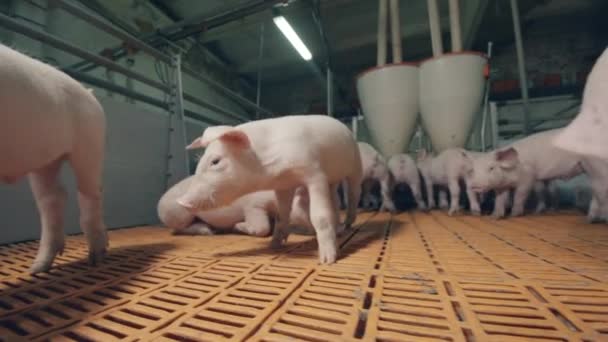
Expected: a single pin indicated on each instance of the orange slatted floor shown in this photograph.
(409, 277)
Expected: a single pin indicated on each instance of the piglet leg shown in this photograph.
(256, 222)
(281, 232)
(455, 197)
(385, 189)
(430, 194)
(353, 187)
(324, 219)
(87, 162)
(443, 199)
(415, 186)
(519, 199)
(50, 199)
(473, 202)
(336, 202)
(541, 196)
(500, 204)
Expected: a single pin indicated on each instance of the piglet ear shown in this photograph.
(508, 158)
(210, 134)
(236, 138)
(196, 143)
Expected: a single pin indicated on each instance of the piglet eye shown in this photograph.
(215, 161)
(491, 168)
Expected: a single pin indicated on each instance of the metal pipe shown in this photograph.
(484, 117)
(258, 95)
(494, 123)
(330, 92)
(455, 27)
(58, 43)
(435, 25)
(213, 107)
(94, 81)
(132, 41)
(179, 31)
(382, 17)
(396, 31)
(179, 107)
(97, 82)
(521, 64)
(217, 86)
(198, 117)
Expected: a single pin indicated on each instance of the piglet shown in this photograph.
(448, 169)
(249, 214)
(49, 118)
(519, 166)
(404, 171)
(280, 154)
(586, 135)
(375, 170)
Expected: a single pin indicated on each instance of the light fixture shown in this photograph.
(292, 36)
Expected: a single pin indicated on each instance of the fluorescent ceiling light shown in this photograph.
(292, 36)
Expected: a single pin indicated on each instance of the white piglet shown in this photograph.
(519, 166)
(48, 118)
(404, 171)
(448, 169)
(281, 154)
(375, 170)
(249, 214)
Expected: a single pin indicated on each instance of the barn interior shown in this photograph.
(403, 76)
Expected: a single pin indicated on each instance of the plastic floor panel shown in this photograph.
(409, 277)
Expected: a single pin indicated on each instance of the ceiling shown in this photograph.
(290, 84)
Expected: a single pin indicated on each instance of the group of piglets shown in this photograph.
(286, 168)
(525, 166)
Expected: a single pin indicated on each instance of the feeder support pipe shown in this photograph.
(330, 92)
(396, 31)
(435, 25)
(521, 64)
(455, 27)
(258, 95)
(382, 17)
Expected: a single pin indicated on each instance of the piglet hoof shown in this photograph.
(98, 248)
(476, 212)
(278, 239)
(44, 258)
(422, 207)
(343, 229)
(327, 253)
(276, 244)
(453, 211)
(244, 228)
(517, 213)
(41, 266)
(497, 216)
(388, 207)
